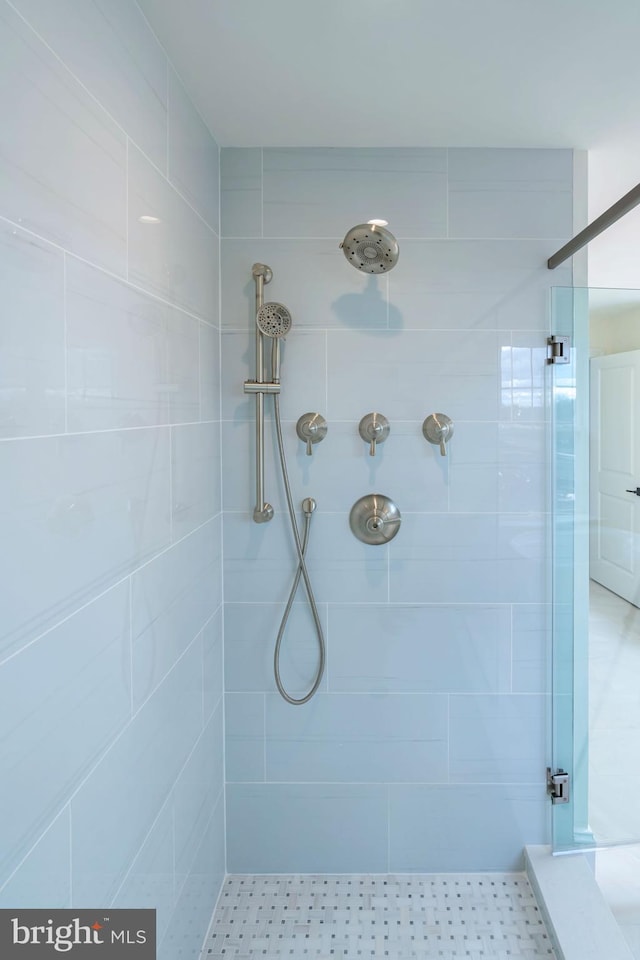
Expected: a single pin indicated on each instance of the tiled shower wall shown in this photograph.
(426, 747)
(110, 650)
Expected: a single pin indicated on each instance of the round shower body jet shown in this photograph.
(371, 248)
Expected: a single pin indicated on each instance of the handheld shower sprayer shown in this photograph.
(274, 321)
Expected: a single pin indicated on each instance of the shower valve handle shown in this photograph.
(444, 436)
(311, 428)
(313, 432)
(438, 429)
(377, 438)
(374, 428)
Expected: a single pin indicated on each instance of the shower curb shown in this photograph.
(578, 919)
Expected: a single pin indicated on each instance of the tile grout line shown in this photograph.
(120, 278)
(264, 736)
(131, 697)
(262, 192)
(171, 483)
(326, 650)
(65, 342)
(200, 418)
(511, 612)
(127, 229)
(70, 854)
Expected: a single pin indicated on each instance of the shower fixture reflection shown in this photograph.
(273, 320)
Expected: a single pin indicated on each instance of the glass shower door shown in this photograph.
(595, 632)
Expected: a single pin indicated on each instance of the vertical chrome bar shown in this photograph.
(263, 511)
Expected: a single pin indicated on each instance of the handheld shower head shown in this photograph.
(274, 321)
(370, 248)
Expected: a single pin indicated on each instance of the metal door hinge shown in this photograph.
(558, 786)
(558, 349)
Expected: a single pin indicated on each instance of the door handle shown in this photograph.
(636, 491)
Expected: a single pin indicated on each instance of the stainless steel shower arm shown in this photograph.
(263, 512)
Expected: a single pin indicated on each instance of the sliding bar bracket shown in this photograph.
(252, 386)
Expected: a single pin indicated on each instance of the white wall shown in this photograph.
(613, 256)
(614, 331)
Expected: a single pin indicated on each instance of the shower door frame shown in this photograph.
(568, 399)
(569, 456)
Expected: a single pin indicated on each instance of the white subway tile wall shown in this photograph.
(32, 356)
(111, 642)
(64, 156)
(426, 746)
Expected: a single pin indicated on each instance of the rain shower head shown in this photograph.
(274, 320)
(370, 248)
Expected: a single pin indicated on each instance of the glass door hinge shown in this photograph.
(558, 786)
(558, 349)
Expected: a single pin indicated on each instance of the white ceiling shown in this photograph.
(407, 72)
(499, 73)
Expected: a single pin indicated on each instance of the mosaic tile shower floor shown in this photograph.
(443, 916)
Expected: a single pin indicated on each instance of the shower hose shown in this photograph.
(308, 506)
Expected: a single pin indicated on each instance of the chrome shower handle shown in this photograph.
(374, 519)
(311, 428)
(374, 428)
(444, 436)
(438, 429)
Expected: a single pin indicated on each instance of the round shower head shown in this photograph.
(370, 248)
(274, 320)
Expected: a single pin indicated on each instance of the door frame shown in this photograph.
(626, 585)
(570, 567)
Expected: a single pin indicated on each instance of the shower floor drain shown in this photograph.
(444, 916)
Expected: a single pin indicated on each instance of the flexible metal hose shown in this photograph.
(301, 549)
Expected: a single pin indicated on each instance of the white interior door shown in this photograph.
(615, 470)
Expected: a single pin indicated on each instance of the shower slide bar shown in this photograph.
(601, 223)
(263, 512)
